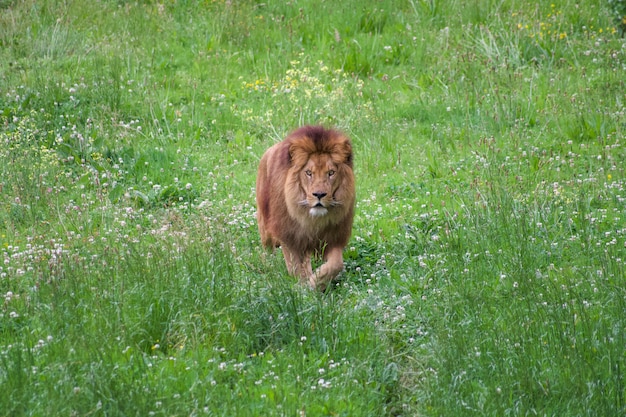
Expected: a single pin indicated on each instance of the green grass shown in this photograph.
(485, 275)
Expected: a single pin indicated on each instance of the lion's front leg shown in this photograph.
(298, 265)
(329, 270)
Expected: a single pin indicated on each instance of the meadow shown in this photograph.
(485, 274)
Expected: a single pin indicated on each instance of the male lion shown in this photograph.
(305, 201)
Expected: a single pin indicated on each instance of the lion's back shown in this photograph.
(270, 192)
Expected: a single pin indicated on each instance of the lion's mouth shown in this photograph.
(318, 211)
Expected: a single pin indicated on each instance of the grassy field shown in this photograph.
(486, 272)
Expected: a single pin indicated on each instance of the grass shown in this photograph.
(485, 275)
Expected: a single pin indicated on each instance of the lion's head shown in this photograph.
(305, 200)
(320, 181)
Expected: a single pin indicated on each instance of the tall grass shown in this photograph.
(485, 275)
(528, 326)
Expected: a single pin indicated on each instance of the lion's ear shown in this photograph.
(293, 152)
(345, 150)
(349, 154)
(299, 150)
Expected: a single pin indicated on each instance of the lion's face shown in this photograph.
(319, 179)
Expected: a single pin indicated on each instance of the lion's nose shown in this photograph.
(319, 195)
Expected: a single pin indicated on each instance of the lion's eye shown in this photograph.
(308, 173)
(331, 173)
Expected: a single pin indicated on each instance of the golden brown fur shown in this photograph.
(305, 201)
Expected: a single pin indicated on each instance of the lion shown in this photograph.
(305, 199)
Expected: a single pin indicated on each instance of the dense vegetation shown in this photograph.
(485, 275)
